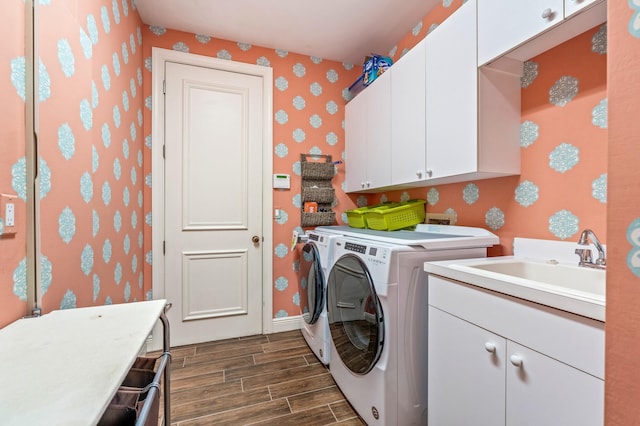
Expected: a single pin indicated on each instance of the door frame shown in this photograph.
(159, 58)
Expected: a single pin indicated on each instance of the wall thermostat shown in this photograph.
(281, 181)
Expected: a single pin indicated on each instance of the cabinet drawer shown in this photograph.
(566, 337)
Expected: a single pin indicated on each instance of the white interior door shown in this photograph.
(213, 203)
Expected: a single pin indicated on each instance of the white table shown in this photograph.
(63, 368)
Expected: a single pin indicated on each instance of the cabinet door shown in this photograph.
(378, 140)
(575, 6)
(543, 391)
(466, 372)
(355, 123)
(503, 25)
(408, 116)
(452, 95)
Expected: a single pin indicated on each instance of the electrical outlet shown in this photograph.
(8, 213)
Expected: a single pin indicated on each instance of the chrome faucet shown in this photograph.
(585, 253)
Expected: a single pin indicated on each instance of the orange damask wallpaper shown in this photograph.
(89, 106)
(622, 382)
(309, 96)
(96, 208)
(12, 149)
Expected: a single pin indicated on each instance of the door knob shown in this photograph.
(547, 13)
(255, 239)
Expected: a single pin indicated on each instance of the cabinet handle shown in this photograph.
(516, 360)
(419, 174)
(362, 184)
(429, 172)
(368, 184)
(490, 347)
(547, 13)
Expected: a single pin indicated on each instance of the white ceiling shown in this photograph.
(339, 30)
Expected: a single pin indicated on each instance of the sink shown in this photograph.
(561, 277)
(529, 275)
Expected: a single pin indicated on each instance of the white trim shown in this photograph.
(159, 58)
(278, 325)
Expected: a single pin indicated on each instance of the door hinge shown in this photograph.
(35, 313)
(164, 247)
(164, 87)
(164, 151)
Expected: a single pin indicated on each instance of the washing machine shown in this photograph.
(377, 315)
(315, 256)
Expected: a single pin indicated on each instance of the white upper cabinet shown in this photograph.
(355, 122)
(368, 136)
(503, 25)
(522, 29)
(449, 109)
(408, 117)
(575, 6)
(473, 116)
(452, 95)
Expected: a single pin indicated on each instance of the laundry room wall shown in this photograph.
(12, 150)
(622, 384)
(562, 187)
(309, 96)
(98, 251)
(90, 151)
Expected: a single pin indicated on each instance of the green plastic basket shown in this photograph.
(357, 218)
(391, 218)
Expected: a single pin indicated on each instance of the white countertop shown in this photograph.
(581, 303)
(64, 367)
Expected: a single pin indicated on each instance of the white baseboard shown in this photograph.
(278, 325)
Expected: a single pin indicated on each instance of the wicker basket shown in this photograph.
(401, 216)
(319, 195)
(317, 170)
(318, 219)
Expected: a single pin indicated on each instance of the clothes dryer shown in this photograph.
(377, 316)
(315, 256)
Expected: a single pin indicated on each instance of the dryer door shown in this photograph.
(355, 314)
(311, 282)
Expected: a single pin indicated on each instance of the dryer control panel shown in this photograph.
(373, 254)
(358, 248)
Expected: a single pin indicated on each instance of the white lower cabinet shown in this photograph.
(466, 382)
(543, 391)
(479, 376)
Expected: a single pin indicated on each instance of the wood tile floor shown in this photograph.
(260, 380)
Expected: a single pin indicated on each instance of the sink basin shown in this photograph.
(562, 277)
(529, 275)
